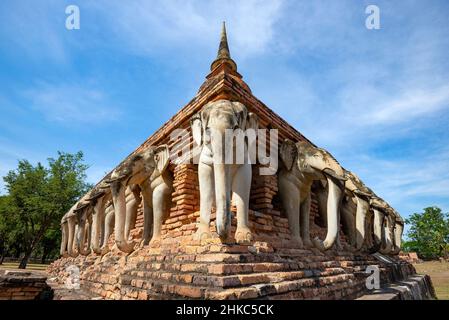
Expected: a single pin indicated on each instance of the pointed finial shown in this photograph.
(223, 49)
(224, 56)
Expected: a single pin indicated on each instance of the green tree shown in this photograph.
(429, 233)
(38, 197)
(5, 228)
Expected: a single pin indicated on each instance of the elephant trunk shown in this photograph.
(333, 207)
(222, 199)
(360, 220)
(119, 199)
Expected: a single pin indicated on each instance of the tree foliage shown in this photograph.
(37, 197)
(429, 233)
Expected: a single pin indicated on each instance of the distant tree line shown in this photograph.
(428, 235)
(36, 198)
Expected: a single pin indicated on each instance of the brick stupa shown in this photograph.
(270, 267)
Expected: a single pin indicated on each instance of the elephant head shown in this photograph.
(309, 163)
(135, 170)
(211, 128)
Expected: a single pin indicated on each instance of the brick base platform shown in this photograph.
(220, 271)
(21, 285)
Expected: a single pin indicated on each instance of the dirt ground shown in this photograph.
(439, 272)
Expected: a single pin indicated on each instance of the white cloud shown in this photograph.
(411, 104)
(66, 103)
(149, 26)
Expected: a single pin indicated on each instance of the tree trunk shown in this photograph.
(24, 261)
(2, 257)
(44, 257)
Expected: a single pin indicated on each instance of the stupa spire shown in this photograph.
(223, 49)
(224, 55)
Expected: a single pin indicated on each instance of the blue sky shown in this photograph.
(377, 99)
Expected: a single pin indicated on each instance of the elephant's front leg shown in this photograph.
(132, 206)
(207, 195)
(161, 194)
(71, 238)
(64, 231)
(304, 213)
(147, 196)
(241, 186)
(290, 197)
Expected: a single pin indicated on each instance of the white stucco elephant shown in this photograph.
(147, 170)
(75, 226)
(220, 179)
(302, 165)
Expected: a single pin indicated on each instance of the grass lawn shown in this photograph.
(439, 272)
(30, 266)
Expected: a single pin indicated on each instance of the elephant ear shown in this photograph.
(288, 153)
(161, 157)
(252, 121)
(195, 124)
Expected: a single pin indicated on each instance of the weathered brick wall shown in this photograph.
(16, 285)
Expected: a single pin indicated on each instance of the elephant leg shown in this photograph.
(64, 241)
(387, 243)
(361, 214)
(71, 226)
(147, 195)
(97, 226)
(89, 235)
(378, 226)
(160, 210)
(241, 186)
(290, 197)
(304, 213)
(348, 223)
(207, 194)
(81, 238)
(398, 228)
(131, 213)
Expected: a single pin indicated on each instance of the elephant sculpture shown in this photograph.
(75, 230)
(355, 210)
(67, 239)
(302, 165)
(83, 214)
(220, 179)
(387, 228)
(148, 172)
(101, 226)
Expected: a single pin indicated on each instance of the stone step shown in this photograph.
(156, 289)
(143, 279)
